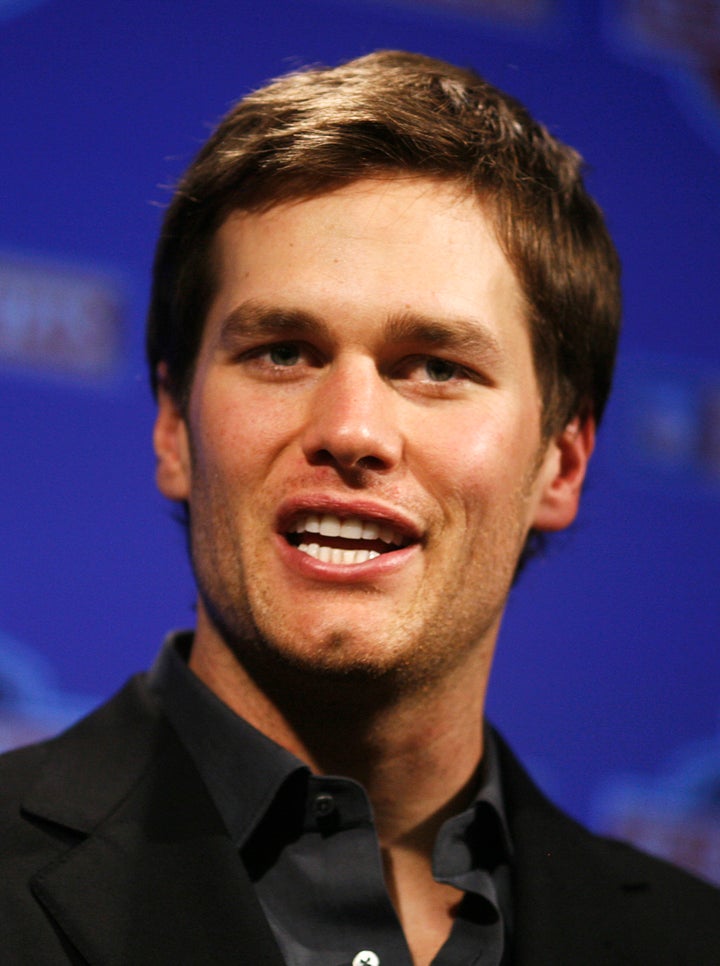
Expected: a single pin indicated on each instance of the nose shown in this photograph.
(352, 420)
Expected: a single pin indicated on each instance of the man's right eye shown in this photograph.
(277, 360)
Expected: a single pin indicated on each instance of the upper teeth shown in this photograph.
(352, 528)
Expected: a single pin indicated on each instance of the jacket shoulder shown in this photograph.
(52, 794)
(592, 899)
(97, 753)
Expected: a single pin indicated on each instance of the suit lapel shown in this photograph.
(154, 878)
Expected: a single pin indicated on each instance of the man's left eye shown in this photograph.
(284, 354)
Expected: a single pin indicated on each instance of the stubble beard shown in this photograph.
(336, 674)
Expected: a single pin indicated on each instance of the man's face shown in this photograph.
(361, 452)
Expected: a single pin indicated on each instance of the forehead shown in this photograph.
(373, 247)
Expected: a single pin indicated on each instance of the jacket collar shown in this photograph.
(150, 876)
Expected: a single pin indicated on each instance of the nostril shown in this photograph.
(351, 457)
(370, 463)
(348, 462)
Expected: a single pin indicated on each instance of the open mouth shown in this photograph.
(351, 540)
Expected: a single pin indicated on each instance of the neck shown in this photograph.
(415, 749)
(415, 752)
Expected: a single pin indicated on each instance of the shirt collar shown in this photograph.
(244, 770)
(479, 837)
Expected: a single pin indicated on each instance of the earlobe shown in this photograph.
(564, 468)
(172, 450)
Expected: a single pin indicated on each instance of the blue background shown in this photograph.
(608, 659)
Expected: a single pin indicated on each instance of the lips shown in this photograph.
(344, 540)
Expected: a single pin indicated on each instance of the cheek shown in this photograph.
(469, 456)
(238, 435)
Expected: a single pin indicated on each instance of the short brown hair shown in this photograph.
(392, 112)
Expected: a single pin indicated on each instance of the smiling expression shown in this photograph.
(361, 451)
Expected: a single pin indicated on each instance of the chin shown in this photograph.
(337, 652)
(338, 673)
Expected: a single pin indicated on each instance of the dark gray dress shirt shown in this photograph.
(310, 846)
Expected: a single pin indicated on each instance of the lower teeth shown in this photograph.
(336, 555)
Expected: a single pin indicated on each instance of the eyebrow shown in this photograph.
(254, 319)
(458, 333)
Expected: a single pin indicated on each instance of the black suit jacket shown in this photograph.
(112, 853)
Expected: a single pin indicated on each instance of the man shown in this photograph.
(381, 337)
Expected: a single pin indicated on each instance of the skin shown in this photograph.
(367, 354)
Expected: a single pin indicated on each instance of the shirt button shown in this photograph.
(366, 957)
(323, 806)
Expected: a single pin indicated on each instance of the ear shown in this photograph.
(562, 475)
(171, 443)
